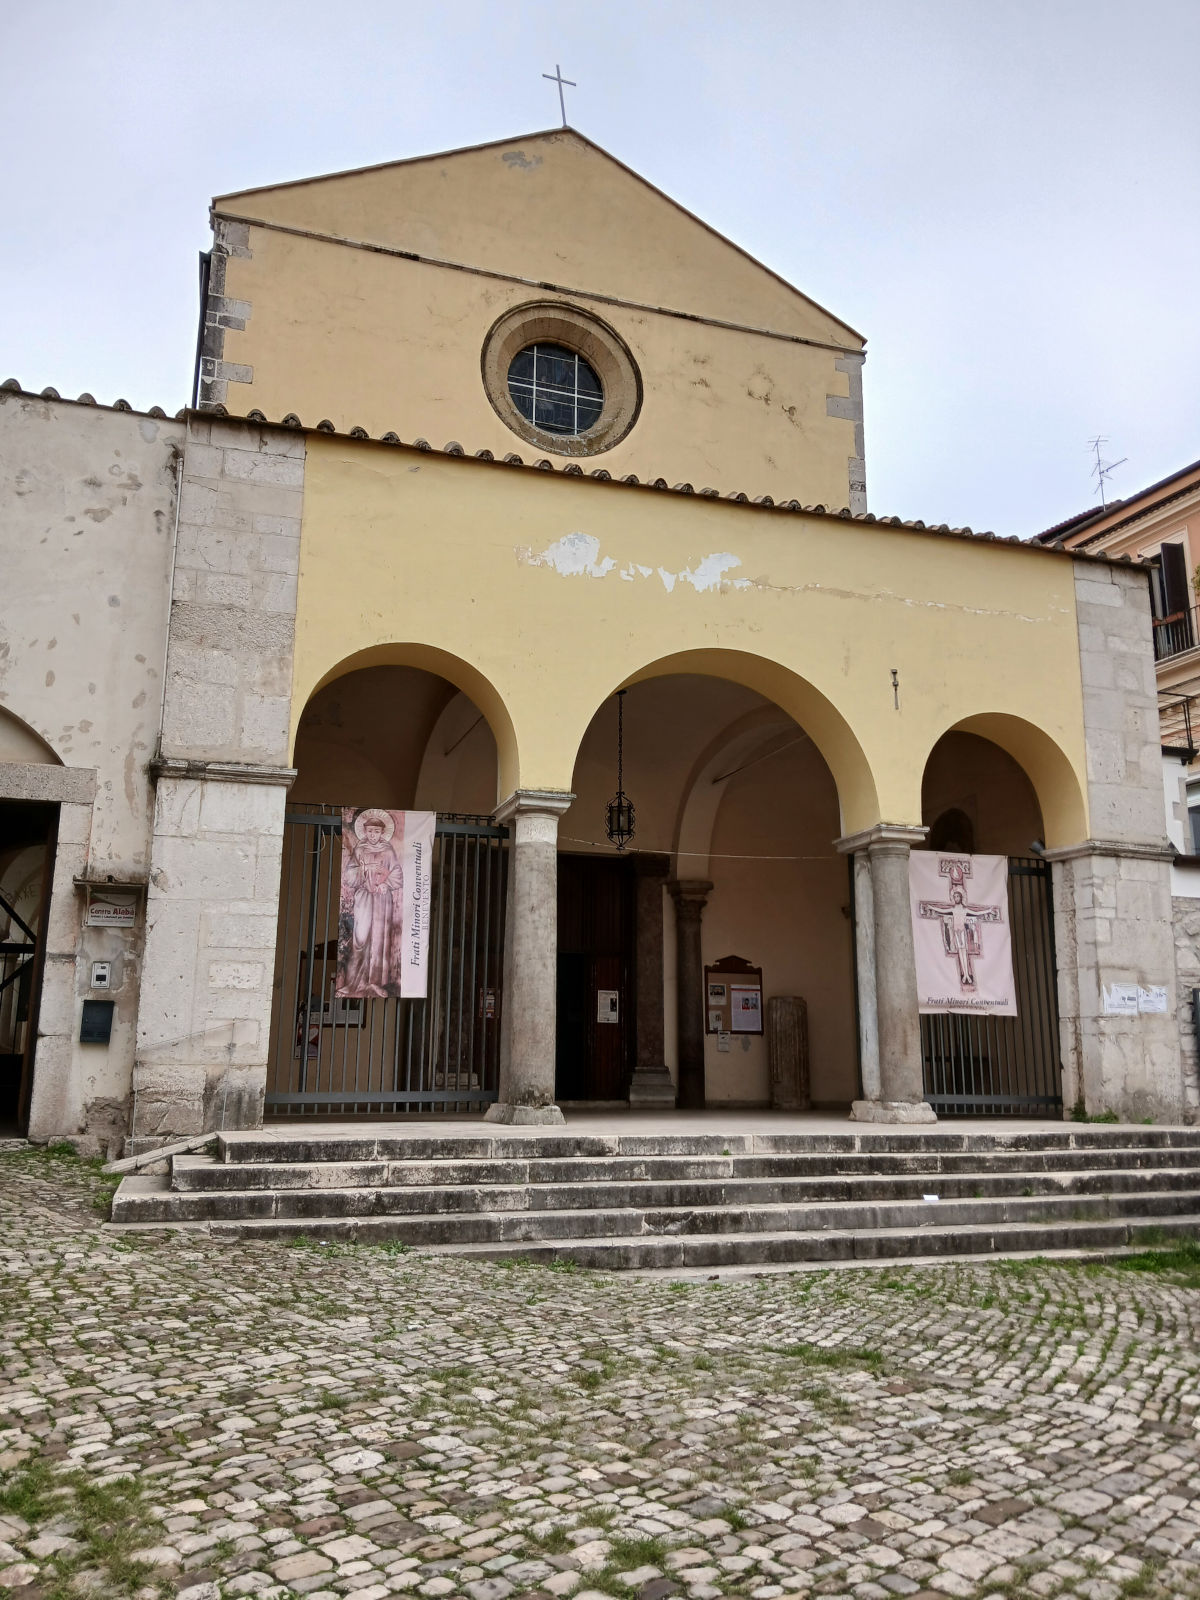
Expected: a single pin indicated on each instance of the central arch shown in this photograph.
(804, 703)
(730, 762)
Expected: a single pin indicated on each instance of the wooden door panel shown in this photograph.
(595, 945)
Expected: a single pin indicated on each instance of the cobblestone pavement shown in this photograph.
(231, 1419)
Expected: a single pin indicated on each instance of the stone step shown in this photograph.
(446, 1216)
(639, 1252)
(979, 1241)
(491, 1186)
(330, 1145)
(203, 1172)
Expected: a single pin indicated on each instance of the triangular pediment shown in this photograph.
(554, 209)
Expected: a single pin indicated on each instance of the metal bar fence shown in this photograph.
(439, 1055)
(1007, 1066)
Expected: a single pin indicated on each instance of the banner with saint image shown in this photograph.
(383, 921)
(961, 934)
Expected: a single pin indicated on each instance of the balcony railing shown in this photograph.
(1175, 634)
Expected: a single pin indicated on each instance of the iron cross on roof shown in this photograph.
(557, 77)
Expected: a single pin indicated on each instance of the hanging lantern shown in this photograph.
(619, 818)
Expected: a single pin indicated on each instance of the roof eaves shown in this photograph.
(572, 469)
(15, 386)
(1130, 506)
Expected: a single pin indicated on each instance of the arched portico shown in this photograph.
(978, 800)
(736, 800)
(394, 735)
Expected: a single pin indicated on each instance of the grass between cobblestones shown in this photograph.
(188, 1417)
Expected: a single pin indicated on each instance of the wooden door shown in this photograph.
(595, 1037)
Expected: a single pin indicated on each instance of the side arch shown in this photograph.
(804, 703)
(460, 673)
(1055, 781)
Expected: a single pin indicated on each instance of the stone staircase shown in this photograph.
(628, 1200)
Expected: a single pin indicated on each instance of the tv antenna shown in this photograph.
(1103, 470)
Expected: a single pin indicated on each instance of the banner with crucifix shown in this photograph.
(961, 933)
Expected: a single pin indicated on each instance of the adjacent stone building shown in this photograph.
(501, 457)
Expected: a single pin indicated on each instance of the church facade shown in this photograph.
(506, 476)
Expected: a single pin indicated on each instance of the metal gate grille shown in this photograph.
(1005, 1065)
(337, 1057)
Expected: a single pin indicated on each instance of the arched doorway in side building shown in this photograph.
(27, 832)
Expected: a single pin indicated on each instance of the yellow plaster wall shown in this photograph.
(372, 340)
(551, 208)
(539, 596)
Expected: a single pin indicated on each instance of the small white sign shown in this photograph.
(111, 908)
(1121, 1000)
(1153, 998)
(606, 1005)
(746, 1007)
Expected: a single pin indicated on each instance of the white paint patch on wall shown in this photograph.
(577, 555)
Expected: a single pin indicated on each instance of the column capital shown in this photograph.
(533, 802)
(650, 864)
(883, 834)
(690, 891)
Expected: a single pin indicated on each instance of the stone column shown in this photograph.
(690, 896)
(864, 962)
(651, 1083)
(528, 1037)
(900, 1095)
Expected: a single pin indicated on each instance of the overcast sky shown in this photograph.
(1001, 194)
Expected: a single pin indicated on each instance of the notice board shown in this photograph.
(733, 999)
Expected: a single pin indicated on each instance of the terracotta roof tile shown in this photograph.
(1044, 542)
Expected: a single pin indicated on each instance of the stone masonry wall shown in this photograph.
(1120, 704)
(89, 497)
(1113, 922)
(204, 1023)
(222, 314)
(1187, 977)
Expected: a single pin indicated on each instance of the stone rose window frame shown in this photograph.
(553, 322)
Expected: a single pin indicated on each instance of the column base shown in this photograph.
(524, 1116)
(892, 1111)
(652, 1087)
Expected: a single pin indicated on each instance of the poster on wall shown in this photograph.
(961, 934)
(733, 997)
(745, 1008)
(383, 922)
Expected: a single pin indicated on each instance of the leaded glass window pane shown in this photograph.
(555, 389)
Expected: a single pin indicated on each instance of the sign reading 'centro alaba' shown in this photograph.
(961, 933)
(383, 921)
